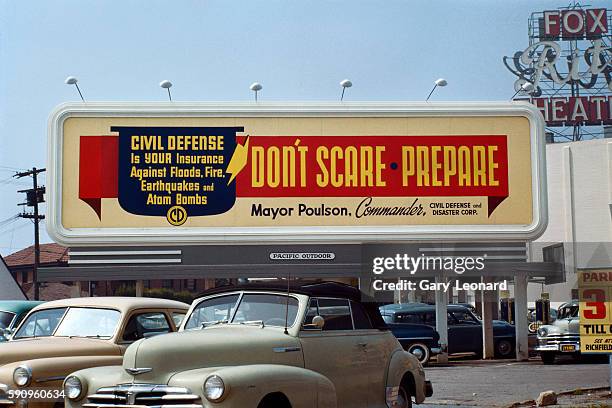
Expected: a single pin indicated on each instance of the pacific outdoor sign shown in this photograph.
(198, 173)
(586, 71)
(595, 290)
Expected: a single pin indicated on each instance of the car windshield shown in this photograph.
(89, 322)
(76, 321)
(5, 319)
(266, 309)
(211, 311)
(41, 323)
(567, 312)
(271, 310)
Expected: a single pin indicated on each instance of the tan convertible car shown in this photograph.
(59, 337)
(265, 346)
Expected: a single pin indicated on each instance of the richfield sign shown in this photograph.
(586, 70)
(129, 174)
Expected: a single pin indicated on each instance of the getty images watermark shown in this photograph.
(404, 264)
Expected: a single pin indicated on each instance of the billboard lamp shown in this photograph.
(167, 85)
(438, 82)
(74, 81)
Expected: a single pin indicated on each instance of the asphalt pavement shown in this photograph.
(501, 383)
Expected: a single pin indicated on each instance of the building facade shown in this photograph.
(579, 232)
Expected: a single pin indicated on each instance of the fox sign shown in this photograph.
(204, 173)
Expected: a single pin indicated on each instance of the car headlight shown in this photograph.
(214, 388)
(22, 376)
(73, 388)
(542, 332)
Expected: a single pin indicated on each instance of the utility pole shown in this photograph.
(34, 196)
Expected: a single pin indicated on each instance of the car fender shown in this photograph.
(401, 363)
(247, 385)
(50, 372)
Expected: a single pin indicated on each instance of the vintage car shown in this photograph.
(464, 328)
(62, 336)
(12, 313)
(265, 346)
(562, 336)
(418, 339)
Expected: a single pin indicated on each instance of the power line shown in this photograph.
(9, 218)
(11, 168)
(15, 228)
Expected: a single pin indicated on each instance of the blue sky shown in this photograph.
(213, 50)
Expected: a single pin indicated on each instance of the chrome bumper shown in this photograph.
(560, 347)
(4, 401)
(435, 350)
(140, 406)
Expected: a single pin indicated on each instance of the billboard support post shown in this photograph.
(441, 320)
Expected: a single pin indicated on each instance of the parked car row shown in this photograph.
(254, 345)
(59, 337)
(464, 328)
(560, 338)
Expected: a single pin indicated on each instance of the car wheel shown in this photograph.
(503, 348)
(420, 351)
(404, 399)
(548, 357)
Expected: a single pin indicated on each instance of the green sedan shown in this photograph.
(12, 313)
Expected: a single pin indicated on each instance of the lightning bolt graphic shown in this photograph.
(238, 160)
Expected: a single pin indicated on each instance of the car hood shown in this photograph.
(562, 326)
(42, 347)
(226, 345)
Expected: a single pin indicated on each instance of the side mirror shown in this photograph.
(318, 322)
(6, 333)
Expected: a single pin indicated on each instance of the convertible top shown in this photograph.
(313, 289)
(318, 289)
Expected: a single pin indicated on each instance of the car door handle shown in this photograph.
(362, 345)
(286, 349)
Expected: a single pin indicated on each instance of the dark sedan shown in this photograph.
(464, 328)
(419, 339)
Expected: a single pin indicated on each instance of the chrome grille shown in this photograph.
(559, 339)
(150, 395)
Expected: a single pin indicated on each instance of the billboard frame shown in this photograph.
(309, 234)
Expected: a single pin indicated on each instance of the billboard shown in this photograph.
(595, 290)
(209, 173)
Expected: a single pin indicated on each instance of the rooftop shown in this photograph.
(49, 254)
